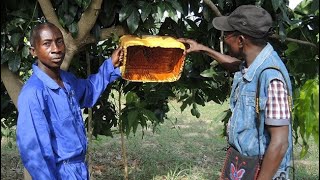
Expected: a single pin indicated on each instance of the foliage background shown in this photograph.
(91, 40)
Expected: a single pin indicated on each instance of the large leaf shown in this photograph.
(68, 19)
(133, 120)
(307, 110)
(132, 97)
(73, 28)
(15, 39)
(209, 73)
(125, 12)
(133, 20)
(73, 11)
(79, 2)
(7, 56)
(146, 11)
(25, 52)
(14, 64)
(176, 5)
(149, 115)
(276, 4)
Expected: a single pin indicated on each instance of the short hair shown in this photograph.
(34, 34)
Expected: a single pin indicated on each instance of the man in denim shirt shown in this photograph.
(245, 32)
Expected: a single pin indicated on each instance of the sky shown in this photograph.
(294, 3)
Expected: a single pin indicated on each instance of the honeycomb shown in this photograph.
(152, 58)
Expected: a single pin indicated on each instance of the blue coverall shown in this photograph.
(51, 136)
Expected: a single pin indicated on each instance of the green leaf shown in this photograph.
(15, 39)
(291, 47)
(73, 10)
(73, 28)
(276, 4)
(149, 115)
(135, 127)
(68, 19)
(192, 24)
(25, 52)
(185, 103)
(133, 21)
(169, 9)
(132, 98)
(315, 135)
(221, 3)
(282, 32)
(143, 121)
(14, 24)
(304, 151)
(125, 12)
(85, 4)
(315, 6)
(79, 2)
(221, 116)
(161, 9)
(176, 5)
(7, 56)
(307, 109)
(193, 111)
(14, 64)
(19, 13)
(284, 11)
(146, 11)
(64, 7)
(132, 118)
(209, 73)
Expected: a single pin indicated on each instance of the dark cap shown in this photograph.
(248, 19)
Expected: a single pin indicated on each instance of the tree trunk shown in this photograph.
(13, 84)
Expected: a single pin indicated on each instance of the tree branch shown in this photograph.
(50, 14)
(276, 36)
(216, 11)
(88, 18)
(12, 83)
(213, 7)
(105, 33)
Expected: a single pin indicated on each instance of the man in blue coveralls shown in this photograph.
(51, 135)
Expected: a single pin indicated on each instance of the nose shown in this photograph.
(56, 47)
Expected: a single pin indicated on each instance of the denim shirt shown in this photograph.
(242, 130)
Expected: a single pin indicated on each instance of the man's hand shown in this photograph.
(193, 46)
(117, 57)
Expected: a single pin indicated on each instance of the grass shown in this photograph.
(183, 148)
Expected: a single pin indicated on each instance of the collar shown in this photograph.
(262, 56)
(47, 80)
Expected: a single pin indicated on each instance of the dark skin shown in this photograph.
(50, 50)
(240, 47)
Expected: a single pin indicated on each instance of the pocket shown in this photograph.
(66, 134)
(249, 109)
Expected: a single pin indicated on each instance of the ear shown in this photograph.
(32, 52)
(241, 41)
